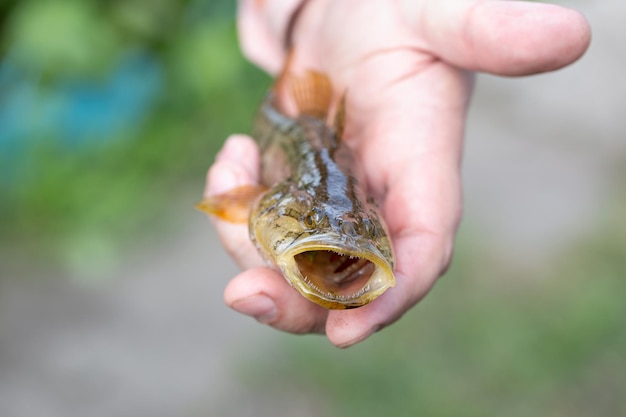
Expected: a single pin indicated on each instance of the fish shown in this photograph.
(311, 217)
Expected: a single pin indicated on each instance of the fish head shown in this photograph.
(337, 258)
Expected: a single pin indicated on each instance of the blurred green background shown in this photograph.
(109, 110)
(110, 284)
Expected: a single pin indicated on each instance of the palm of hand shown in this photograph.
(405, 117)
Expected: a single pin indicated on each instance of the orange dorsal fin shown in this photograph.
(234, 205)
(312, 94)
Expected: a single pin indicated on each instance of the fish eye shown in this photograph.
(311, 219)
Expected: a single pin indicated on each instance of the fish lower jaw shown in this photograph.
(337, 279)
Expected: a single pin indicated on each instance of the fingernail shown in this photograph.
(360, 338)
(259, 306)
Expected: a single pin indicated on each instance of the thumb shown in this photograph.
(501, 37)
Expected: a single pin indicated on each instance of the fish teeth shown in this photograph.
(336, 297)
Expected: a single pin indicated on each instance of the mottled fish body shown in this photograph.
(311, 218)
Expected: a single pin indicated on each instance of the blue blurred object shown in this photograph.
(76, 112)
(93, 111)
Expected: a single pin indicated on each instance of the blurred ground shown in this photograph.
(154, 338)
(542, 151)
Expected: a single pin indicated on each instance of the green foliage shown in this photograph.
(63, 37)
(89, 201)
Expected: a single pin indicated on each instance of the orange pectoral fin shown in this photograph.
(234, 205)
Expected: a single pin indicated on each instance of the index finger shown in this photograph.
(236, 164)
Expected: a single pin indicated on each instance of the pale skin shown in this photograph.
(408, 68)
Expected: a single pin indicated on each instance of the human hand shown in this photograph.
(407, 66)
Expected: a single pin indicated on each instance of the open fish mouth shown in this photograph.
(336, 273)
(338, 278)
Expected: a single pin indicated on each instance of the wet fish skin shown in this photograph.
(315, 205)
(310, 217)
